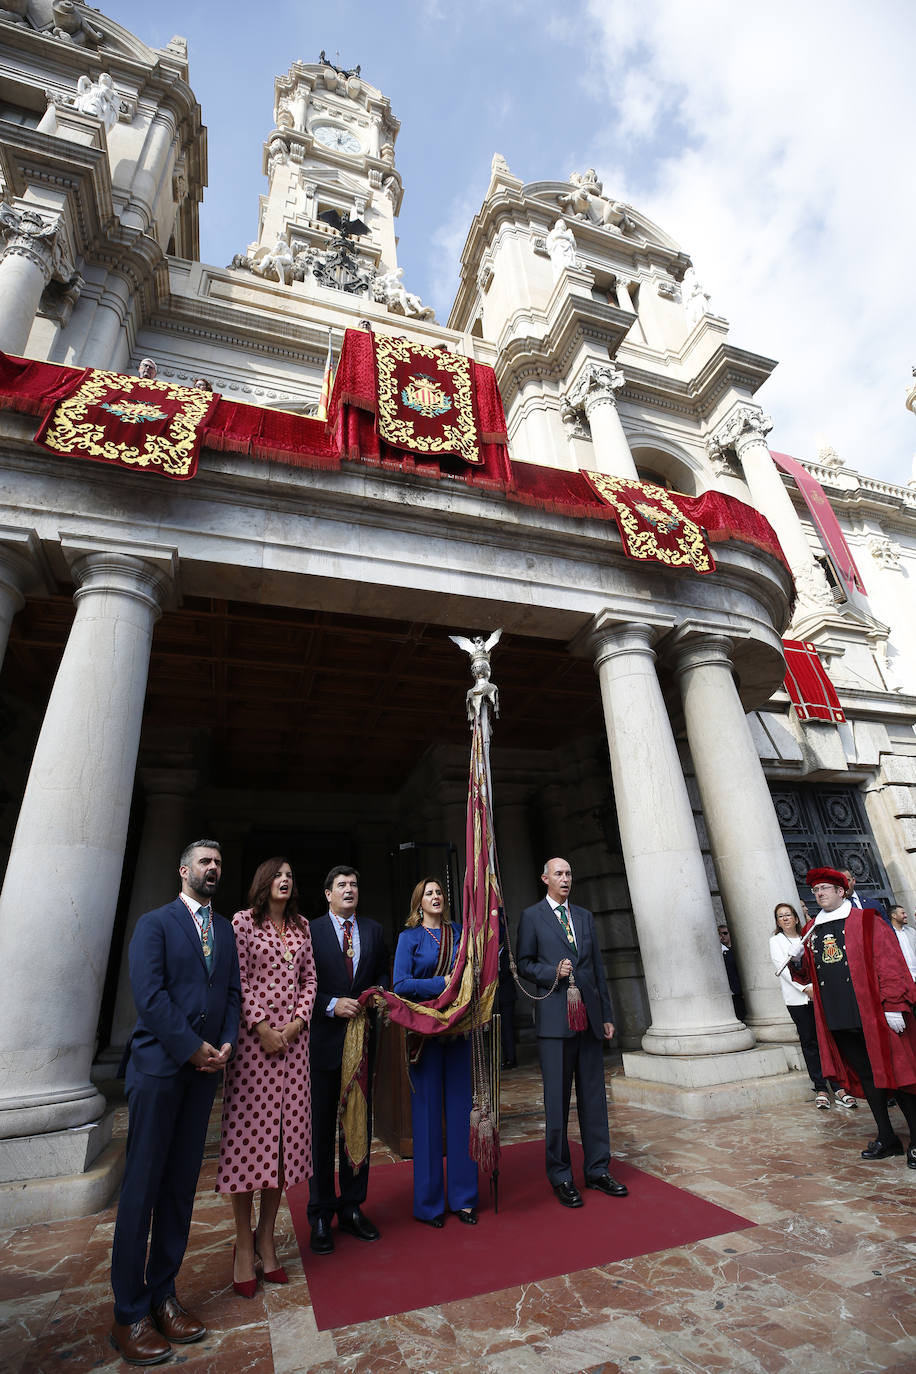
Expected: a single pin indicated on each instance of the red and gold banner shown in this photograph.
(825, 521)
(425, 399)
(652, 526)
(810, 690)
(130, 422)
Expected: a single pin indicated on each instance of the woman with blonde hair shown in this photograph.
(798, 1001)
(440, 1072)
(267, 1111)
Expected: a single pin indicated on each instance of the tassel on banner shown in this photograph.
(483, 1141)
(576, 1014)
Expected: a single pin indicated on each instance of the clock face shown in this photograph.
(335, 138)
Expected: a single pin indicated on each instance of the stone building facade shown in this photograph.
(262, 654)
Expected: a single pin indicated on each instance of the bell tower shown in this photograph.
(331, 150)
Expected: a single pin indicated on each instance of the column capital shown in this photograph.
(696, 645)
(23, 566)
(746, 425)
(611, 633)
(596, 385)
(38, 237)
(147, 572)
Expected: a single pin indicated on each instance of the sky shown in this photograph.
(773, 142)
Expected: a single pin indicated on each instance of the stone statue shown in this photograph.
(561, 247)
(696, 300)
(98, 98)
(478, 650)
(72, 25)
(277, 263)
(303, 263)
(588, 201)
(389, 290)
(241, 262)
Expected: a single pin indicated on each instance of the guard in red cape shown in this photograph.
(864, 996)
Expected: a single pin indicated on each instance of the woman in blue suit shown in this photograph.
(441, 1074)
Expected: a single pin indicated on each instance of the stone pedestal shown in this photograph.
(711, 1086)
(747, 845)
(59, 895)
(691, 1006)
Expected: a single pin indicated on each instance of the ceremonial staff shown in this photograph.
(804, 940)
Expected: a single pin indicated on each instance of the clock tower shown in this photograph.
(331, 149)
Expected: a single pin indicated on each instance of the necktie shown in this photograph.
(566, 923)
(206, 934)
(348, 946)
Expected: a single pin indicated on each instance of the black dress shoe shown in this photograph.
(322, 1242)
(606, 1183)
(469, 1214)
(911, 1157)
(876, 1150)
(358, 1225)
(438, 1221)
(568, 1194)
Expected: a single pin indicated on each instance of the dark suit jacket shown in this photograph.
(179, 1003)
(327, 1033)
(541, 945)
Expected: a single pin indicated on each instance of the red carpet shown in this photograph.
(531, 1238)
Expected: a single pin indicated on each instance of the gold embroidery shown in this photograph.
(657, 508)
(171, 452)
(459, 436)
(831, 952)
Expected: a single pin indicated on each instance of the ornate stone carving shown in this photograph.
(812, 585)
(828, 457)
(561, 248)
(587, 201)
(98, 98)
(696, 300)
(747, 424)
(668, 289)
(485, 276)
(885, 552)
(59, 298)
(276, 263)
(278, 155)
(720, 458)
(596, 384)
(388, 289)
(70, 23)
(14, 11)
(29, 235)
(574, 421)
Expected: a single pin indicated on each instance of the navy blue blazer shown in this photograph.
(540, 947)
(326, 1034)
(179, 1002)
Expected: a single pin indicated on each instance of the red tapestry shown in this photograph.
(32, 387)
(825, 521)
(130, 422)
(652, 526)
(353, 421)
(810, 690)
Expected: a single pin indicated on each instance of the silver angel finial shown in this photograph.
(478, 650)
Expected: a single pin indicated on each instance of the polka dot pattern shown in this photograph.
(267, 1098)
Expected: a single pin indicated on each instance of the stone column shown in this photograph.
(61, 887)
(745, 431)
(690, 1003)
(29, 256)
(747, 845)
(19, 572)
(156, 880)
(594, 391)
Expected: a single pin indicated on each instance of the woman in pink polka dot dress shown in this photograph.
(267, 1111)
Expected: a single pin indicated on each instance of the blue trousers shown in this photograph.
(166, 1133)
(442, 1078)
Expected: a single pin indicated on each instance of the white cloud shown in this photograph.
(774, 144)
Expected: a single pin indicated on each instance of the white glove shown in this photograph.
(795, 948)
(895, 1020)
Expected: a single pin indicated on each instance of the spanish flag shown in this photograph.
(327, 384)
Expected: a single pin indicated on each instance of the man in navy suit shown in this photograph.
(350, 956)
(184, 972)
(556, 940)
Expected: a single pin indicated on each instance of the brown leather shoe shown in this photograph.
(177, 1325)
(140, 1343)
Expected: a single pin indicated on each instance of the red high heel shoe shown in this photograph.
(246, 1288)
(273, 1275)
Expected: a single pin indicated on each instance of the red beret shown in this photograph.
(826, 875)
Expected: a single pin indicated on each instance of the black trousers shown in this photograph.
(564, 1060)
(803, 1016)
(851, 1045)
(327, 1145)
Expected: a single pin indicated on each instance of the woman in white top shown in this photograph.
(798, 1001)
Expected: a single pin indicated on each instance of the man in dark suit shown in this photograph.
(350, 956)
(556, 940)
(184, 972)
